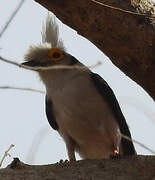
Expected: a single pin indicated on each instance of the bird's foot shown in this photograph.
(115, 154)
(63, 161)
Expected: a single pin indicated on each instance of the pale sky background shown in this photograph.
(22, 115)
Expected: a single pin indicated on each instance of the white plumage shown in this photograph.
(50, 33)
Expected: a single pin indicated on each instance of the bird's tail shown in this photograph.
(50, 32)
(127, 145)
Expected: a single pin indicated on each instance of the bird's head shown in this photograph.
(51, 51)
(47, 56)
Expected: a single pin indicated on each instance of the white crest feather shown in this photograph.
(50, 33)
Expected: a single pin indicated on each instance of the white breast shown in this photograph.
(82, 114)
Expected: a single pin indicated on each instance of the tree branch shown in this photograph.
(117, 29)
(128, 168)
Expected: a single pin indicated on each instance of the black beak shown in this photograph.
(31, 63)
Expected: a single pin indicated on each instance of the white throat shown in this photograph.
(56, 80)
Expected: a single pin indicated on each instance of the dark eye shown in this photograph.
(55, 54)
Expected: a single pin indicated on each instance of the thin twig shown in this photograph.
(118, 9)
(139, 143)
(6, 154)
(15, 63)
(99, 63)
(50, 67)
(8, 61)
(24, 89)
(60, 67)
(11, 17)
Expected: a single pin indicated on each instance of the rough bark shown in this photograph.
(136, 167)
(126, 37)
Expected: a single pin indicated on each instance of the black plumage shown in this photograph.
(50, 114)
(108, 95)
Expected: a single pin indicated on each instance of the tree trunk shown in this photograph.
(125, 35)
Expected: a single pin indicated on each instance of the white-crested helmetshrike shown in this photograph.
(80, 105)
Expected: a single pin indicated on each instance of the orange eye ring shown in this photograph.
(55, 54)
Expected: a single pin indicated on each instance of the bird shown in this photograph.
(79, 103)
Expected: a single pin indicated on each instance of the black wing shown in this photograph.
(50, 114)
(108, 95)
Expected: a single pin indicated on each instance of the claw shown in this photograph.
(115, 152)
